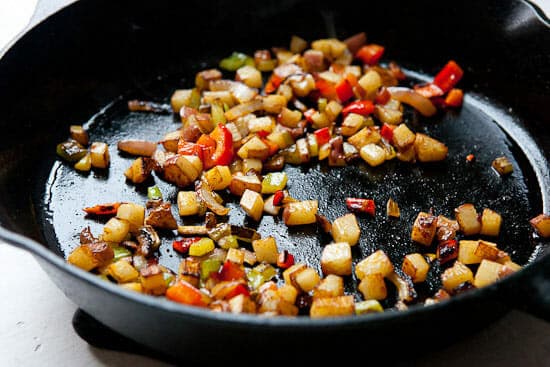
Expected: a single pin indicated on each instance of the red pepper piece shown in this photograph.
(206, 141)
(184, 292)
(362, 107)
(103, 209)
(370, 54)
(285, 260)
(470, 158)
(322, 135)
(309, 113)
(387, 131)
(182, 246)
(454, 98)
(263, 134)
(447, 251)
(222, 154)
(186, 148)
(278, 197)
(325, 88)
(272, 84)
(337, 68)
(231, 271)
(447, 78)
(344, 90)
(361, 205)
(273, 148)
(237, 289)
(383, 95)
(428, 90)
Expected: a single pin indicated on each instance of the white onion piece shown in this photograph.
(417, 101)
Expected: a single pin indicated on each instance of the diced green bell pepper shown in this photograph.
(260, 274)
(235, 61)
(120, 253)
(71, 150)
(209, 266)
(274, 181)
(154, 193)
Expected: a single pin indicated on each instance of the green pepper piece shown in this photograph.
(209, 266)
(71, 150)
(292, 155)
(228, 242)
(235, 61)
(322, 104)
(168, 278)
(218, 113)
(369, 306)
(274, 181)
(120, 253)
(154, 193)
(260, 274)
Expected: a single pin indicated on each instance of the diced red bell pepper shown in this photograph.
(206, 140)
(447, 251)
(322, 135)
(231, 271)
(278, 197)
(447, 78)
(263, 134)
(383, 95)
(344, 90)
(184, 292)
(309, 113)
(428, 90)
(325, 88)
(470, 157)
(239, 288)
(222, 154)
(182, 246)
(337, 68)
(272, 84)
(285, 260)
(273, 148)
(103, 209)
(187, 148)
(361, 205)
(370, 54)
(454, 98)
(387, 131)
(361, 107)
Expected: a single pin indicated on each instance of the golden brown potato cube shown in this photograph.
(152, 280)
(332, 306)
(253, 204)
(377, 262)
(83, 258)
(288, 293)
(203, 78)
(235, 255)
(446, 228)
(466, 252)
(123, 272)
(188, 203)
(170, 141)
(424, 228)
(289, 118)
(133, 213)
(240, 183)
(266, 250)
(99, 154)
(541, 223)
(307, 279)
(373, 286)
(274, 103)
(254, 148)
(456, 275)
(486, 250)
(182, 170)
(407, 155)
(352, 123)
(133, 286)
(330, 286)
(264, 123)
(370, 82)
(403, 138)
(290, 273)
(388, 115)
(300, 212)
(373, 154)
(416, 266)
(503, 165)
(250, 76)
(115, 230)
(336, 259)
(346, 229)
(252, 164)
(489, 272)
(429, 149)
(242, 304)
(490, 223)
(140, 170)
(366, 135)
(180, 98)
(218, 177)
(468, 219)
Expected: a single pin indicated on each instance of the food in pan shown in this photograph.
(329, 101)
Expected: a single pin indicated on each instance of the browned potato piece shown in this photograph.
(456, 275)
(490, 223)
(254, 148)
(203, 78)
(352, 123)
(300, 212)
(332, 306)
(429, 149)
(541, 223)
(266, 250)
(123, 272)
(253, 204)
(330, 286)
(466, 252)
(346, 229)
(416, 266)
(403, 138)
(142, 148)
(489, 272)
(446, 228)
(79, 134)
(424, 228)
(302, 277)
(83, 258)
(133, 213)
(468, 219)
(182, 170)
(366, 135)
(502, 165)
(240, 183)
(99, 153)
(152, 280)
(170, 141)
(336, 259)
(274, 103)
(373, 286)
(377, 262)
(486, 250)
(140, 170)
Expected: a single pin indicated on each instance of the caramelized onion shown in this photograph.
(417, 101)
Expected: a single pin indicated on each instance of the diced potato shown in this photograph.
(352, 123)
(319, 120)
(240, 183)
(403, 138)
(424, 228)
(99, 155)
(133, 286)
(297, 44)
(388, 114)
(235, 255)
(182, 97)
(220, 96)
(407, 155)
(250, 76)
(188, 203)
(489, 272)
(265, 123)
(486, 250)
(152, 280)
(269, 208)
(416, 267)
(266, 250)
(346, 229)
(331, 48)
(373, 286)
(302, 277)
(468, 219)
(330, 286)
(252, 164)
(289, 118)
(466, 252)
(503, 165)
(182, 170)
(274, 103)
(300, 212)
(83, 258)
(140, 170)
(253, 204)
(370, 82)
(446, 228)
(115, 230)
(332, 306)
(218, 177)
(123, 272)
(392, 209)
(490, 223)
(133, 213)
(366, 135)
(541, 223)
(377, 262)
(79, 134)
(369, 306)
(373, 154)
(429, 149)
(336, 259)
(254, 148)
(283, 138)
(204, 77)
(456, 275)
(332, 110)
(288, 293)
(84, 164)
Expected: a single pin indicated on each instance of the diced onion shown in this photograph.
(417, 101)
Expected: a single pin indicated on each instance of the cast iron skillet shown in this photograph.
(82, 63)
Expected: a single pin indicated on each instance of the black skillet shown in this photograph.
(83, 63)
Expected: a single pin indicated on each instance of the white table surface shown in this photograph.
(35, 316)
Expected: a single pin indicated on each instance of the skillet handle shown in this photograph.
(530, 290)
